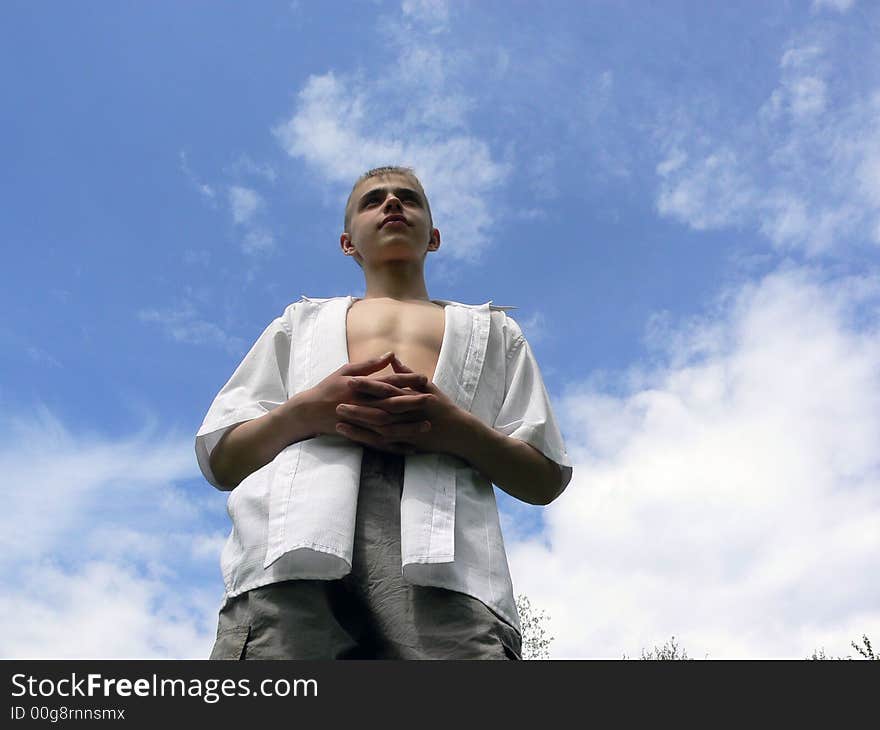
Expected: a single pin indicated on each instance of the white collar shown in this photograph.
(318, 300)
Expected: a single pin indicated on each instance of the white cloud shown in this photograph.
(244, 203)
(801, 56)
(101, 547)
(807, 96)
(802, 91)
(672, 163)
(103, 610)
(730, 494)
(714, 192)
(208, 547)
(50, 475)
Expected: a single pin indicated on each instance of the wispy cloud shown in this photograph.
(246, 206)
(258, 241)
(840, 6)
(183, 323)
(710, 191)
(432, 15)
(207, 191)
(535, 327)
(243, 203)
(729, 494)
(804, 170)
(245, 165)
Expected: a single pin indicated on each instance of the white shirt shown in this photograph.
(295, 517)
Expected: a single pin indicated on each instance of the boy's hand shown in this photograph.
(322, 400)
(390, 418)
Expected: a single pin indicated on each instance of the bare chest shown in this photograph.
(414, 331)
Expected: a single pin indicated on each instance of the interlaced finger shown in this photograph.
(375, 417)
(371, 438)
(378, 388)
(396, 404)
(402, 380)
(373, 388)
(394, 431)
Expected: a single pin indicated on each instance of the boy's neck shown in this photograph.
(388, 284)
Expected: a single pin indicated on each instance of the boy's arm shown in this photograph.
(511, 464)
(253, 444)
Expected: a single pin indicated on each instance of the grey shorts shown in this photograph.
(372, 613)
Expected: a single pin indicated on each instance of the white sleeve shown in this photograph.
(258, 385)
(526, 412)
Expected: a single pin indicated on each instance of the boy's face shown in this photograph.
(389, 221)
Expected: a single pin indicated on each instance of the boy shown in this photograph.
(360, 438)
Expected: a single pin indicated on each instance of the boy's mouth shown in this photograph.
(392, 219)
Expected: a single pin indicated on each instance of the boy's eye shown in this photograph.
(410, 199)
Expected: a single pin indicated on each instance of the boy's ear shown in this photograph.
(434, 243)
(345, 243)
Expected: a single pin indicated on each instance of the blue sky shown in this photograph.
(682, 200)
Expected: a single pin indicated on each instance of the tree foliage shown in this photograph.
(670, 650)
(535, 642)
(867, 652)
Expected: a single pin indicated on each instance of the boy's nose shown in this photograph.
(392, 202)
